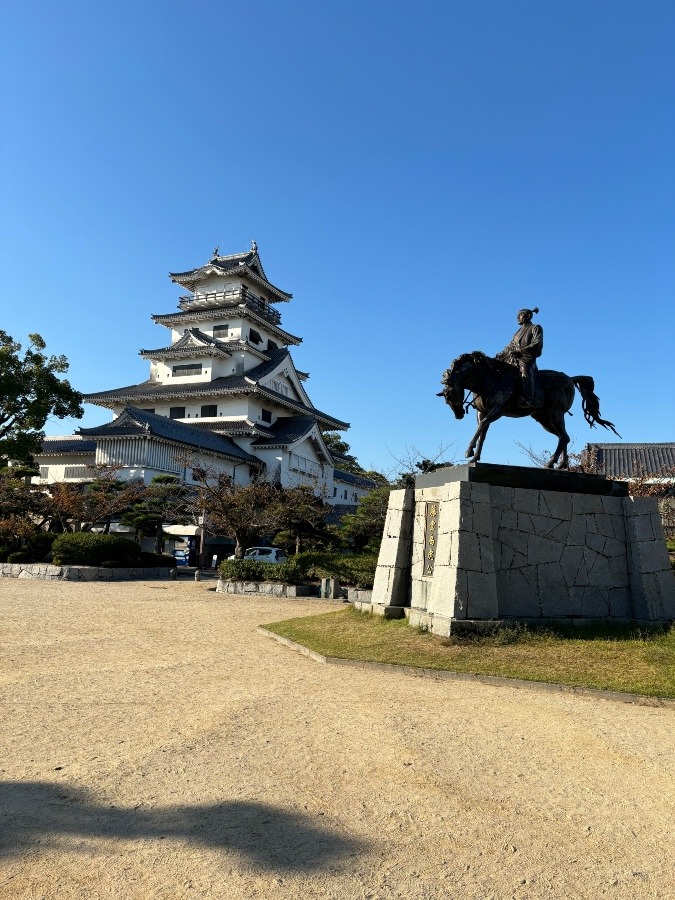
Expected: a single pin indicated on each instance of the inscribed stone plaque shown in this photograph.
(430, 536)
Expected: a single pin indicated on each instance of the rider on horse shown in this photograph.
(525, 347)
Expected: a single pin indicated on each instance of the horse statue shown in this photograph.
(495, 385)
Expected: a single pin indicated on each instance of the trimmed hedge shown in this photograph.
(157, 560)
(86, 549)
(355, 570)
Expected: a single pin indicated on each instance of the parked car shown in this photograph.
(265, 554)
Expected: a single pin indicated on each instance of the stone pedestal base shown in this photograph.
(470, 545)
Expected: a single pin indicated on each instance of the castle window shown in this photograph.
(177, 412)
(266, 415)
(191, 369)
(210, 410)
(254, 337)
(220, 331)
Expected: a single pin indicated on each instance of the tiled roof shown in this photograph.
(338, 510)
(71, 443)
(247, 263)
(635, 460)
(287, 430)
(194, 340)
(247, 383)
(134, 421)
(196, 315)
(351, 478)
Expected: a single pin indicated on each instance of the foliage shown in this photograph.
(86, 549)
(356, 570)
(610, 657)
(164, 501)
(99, 502)
(362, 530)
(301, 513)
(157, 560)
(20, 556)
(31, 392)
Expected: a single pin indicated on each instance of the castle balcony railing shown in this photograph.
(236, 297)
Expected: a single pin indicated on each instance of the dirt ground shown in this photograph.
(153, 745)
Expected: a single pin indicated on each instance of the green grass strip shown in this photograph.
(609, 657)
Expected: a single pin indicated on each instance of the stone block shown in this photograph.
(542, 550)
(501, 497)
(600, 575)
(583, 504)
(525, 523)
(615, 547)
(604, 525)
(613, 506)
(526, 501)
(556, 504)
(576, 535)
(517, 540)
(469, 552)
(509, 520)
(650, 556)
(596, 542)
(516, 595)
(639, 528)
(553, 590)
(595, 602)
(638, 506)
(618, 567)
(480, 493)
(571, 560)
(620, 605)
(560, 532)
(482, 517)
(666, 584)
(487, 554)
(482, 596)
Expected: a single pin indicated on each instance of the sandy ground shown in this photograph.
(153, 745)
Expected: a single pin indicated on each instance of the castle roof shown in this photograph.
(352, 478)
(185, 317)
(196, 343)
(246, 265)
(71, 443)
(248, 383)
(287, 430)
(635, 460)
(133, 422)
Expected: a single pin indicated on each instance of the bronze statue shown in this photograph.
(511, 385)
(524, 349)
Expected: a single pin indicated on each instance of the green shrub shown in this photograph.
(5, 550)
(354, 570)
(157, 560)
(39, 545)
(110, 564)
(20, 556)
(86, 549)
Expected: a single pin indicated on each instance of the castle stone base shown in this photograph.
(475, 544)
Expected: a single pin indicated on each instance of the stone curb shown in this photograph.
(494, 680)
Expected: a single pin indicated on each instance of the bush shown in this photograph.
(5, 550)
(354, 570)
(39, 545)
(20, 556)
(157, 560)
(86, 549)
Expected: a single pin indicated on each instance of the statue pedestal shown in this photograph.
(473, 544)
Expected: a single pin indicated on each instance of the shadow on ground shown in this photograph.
(41, 813)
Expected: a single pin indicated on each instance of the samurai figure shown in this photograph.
(523, 350)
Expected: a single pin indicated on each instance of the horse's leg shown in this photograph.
(553, 420)
(485, 419)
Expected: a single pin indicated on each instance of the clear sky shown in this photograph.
(413, 173)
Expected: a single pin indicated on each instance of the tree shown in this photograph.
(362, 530)
(301, 512)
(242, 512)
(98, 502)
(165, 501)
(31, 392)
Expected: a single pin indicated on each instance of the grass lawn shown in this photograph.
(612, 657)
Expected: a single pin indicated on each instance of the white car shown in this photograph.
(265, 554)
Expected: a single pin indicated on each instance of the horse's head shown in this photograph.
(453, 384)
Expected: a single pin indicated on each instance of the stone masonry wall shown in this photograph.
(46, 572)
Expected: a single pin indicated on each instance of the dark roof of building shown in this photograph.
(194, 340)
(287, 430)
(196, 315)
(247, 263)
(635, 460)
(71, 443)
(133, 421)
(351, 478)
(247, 383)
(338, 510)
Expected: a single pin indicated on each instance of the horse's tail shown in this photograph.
(590, 403)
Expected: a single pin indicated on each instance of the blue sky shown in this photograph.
(412, 173)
